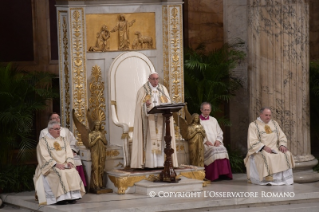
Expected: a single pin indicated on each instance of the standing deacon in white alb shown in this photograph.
(268, 160)
(148, 143)
(56, 179)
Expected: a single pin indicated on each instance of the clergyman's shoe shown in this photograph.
(63, 202)
(72, 201)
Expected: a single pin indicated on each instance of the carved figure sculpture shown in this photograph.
(95, 140)
(123, 29)
(145, 42)
(136, 44)
(193, 132)
(101, 40)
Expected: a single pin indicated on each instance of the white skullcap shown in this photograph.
(152, 73)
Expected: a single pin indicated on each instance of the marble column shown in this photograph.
(276, 73)
(278, 46)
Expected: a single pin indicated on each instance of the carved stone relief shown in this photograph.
(133, 31)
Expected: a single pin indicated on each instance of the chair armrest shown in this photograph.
(116, 121)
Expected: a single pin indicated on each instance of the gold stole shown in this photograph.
(155, 122)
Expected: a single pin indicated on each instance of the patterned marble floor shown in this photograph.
(223, 196)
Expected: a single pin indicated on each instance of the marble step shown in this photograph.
(145, 187)
(302, 207)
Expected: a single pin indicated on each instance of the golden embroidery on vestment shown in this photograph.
(57, 146)
(147, 98)
(164, 99)
(267, 129)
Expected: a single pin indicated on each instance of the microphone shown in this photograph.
(164, 94)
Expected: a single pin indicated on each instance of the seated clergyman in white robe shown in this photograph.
(148, 143)
(68, 136)
(65, 133)
(216, 158)
(56, 178)
(268, 160)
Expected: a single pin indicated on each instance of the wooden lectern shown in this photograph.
(168, 174)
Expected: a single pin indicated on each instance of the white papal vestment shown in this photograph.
(148, 141)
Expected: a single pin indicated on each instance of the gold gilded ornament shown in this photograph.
(147, 98)
(267, 129)
(164, 99)
(189, 128)
(57, 146)
(122, 183)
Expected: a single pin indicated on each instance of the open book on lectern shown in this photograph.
(164, 107)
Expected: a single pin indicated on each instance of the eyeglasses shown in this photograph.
(206, 109)
(154, 79)
(56, 129)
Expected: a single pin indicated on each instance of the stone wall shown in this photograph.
(235, 27)
(314, 29)
(203, 23)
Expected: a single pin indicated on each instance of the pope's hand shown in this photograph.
(217, 143)
(267, 149)
(208, 143)
(283, 149)
(60, 166)
(70, 165)
(148, 103)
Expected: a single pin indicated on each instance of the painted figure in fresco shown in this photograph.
(102, 43)
(123, 32)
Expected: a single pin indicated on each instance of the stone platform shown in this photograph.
(130, 181)
(299, 197)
